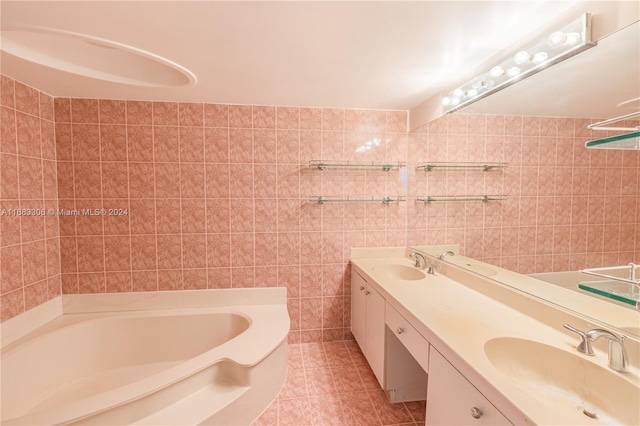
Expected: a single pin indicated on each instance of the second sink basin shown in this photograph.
(400, 272)
(572, 386)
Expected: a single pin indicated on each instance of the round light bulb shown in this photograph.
(458, 93)
(496, 71)
(471, 93)
(486, 84)
(521, 57)
(513, 71)
(446, 101)
(557, 39)
(573, 38)
(455, 101)
(540, 57)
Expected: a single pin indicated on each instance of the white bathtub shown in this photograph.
(203, 357)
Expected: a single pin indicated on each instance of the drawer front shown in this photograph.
(453, 400)
(417, 345)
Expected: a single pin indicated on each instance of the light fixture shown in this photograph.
(548, 50)
(521, 57)
(513, 71)
(540, 57)
(557, 39)
(496, 71)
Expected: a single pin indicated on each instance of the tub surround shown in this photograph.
(29, 244)
(247, 361)
(461, 314)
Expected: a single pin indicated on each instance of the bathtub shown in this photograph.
(193, 357)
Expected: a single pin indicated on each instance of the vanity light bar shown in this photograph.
(557, 46)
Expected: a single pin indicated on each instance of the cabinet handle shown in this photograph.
(367, 292)
(361, 287)
(476, 413)
(399, 330)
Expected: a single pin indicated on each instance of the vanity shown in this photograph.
(479, 352)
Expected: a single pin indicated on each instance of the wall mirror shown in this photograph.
(600, 83)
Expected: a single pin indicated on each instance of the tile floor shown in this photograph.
(332, 384)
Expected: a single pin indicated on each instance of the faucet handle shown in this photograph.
(420, 261)
(585, 345)
(617, 352)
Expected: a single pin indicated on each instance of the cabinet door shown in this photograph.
(374, 340)
(358, 308)
(452, 400)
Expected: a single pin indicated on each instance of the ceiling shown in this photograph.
(380, 55)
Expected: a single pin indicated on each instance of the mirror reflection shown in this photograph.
(574, 217)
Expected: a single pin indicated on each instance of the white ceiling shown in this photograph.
(387, 55)
(377, 55)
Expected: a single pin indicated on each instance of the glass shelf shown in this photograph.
(623, 292)
(385, 200)
(627, 141)
(356, 165)
(483, 198)
(427, 167)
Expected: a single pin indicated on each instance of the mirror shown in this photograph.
(600, 83)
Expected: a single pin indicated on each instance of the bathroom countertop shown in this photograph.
(458, 319)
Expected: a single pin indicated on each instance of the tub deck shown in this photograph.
(187, 364)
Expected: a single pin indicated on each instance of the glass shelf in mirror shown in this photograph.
(623, 292)
(626, 141)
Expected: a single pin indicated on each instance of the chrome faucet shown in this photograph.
(617, 352)
(421, 263)
(442, 256)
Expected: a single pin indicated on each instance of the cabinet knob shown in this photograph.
(399, 330)
(367, 292)
(361, 287)
(476, 413)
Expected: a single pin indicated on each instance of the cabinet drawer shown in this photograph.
(417, 345)
(453, 400)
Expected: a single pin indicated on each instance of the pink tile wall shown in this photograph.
(29, 244)
(217, 196)
(567, 207)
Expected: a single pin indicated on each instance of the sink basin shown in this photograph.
(572, 387)
(400, 272)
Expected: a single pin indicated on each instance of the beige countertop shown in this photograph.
(459, 319)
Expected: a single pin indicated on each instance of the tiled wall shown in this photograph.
(218, 196)
(567, 207)
(29, 245)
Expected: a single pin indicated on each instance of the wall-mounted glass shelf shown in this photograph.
(356, 165)
(427, 167)
(626, 141)
(385, 200)
(455, 198)
(615, 286)
(616, 290)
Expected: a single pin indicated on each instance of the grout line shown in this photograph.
(126, 146)
(104, 242)
(15, 119)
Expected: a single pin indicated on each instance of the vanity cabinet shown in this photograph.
(406, 360)
(367, 322)
(453, 400)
